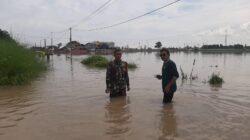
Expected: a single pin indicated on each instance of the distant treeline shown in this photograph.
(220, 46)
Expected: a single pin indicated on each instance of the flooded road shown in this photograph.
(68, 102)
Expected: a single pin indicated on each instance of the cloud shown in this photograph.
(193, 21)
(246, 26)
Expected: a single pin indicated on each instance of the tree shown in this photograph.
(158, 44)
(59, 45)
(5, 35)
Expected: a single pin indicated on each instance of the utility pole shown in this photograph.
(46, 50)
(226, 38)
(45, 43)
(51, 41)
(70, 37)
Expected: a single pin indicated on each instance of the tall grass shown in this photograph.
(18, 65)
(183, 75)
(96, 61)
(101, 62)
(132, 66)
(215, 79)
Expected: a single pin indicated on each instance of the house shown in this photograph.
(96, 45)
(74, 48)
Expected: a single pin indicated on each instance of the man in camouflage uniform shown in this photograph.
(117, 79)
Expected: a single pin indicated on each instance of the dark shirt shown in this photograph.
(169, 71)
(117, 76)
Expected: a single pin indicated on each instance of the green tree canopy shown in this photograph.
(158, 44)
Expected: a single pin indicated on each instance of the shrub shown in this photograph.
(132, 66)
(215, 79)
(96, 61)
(101, 62)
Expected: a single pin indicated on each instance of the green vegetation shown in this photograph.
(101, 62)
(132, 66)
(18, 65)
(215, 79)
(96, 61)
(158, 44)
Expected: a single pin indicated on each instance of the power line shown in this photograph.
(103, 7)
(106, 7)
(92, 14)
(100, 28)
(126, 21)
(97, 11)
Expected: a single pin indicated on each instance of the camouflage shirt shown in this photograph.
(117, 76)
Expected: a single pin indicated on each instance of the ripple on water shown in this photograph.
(14, 107)
(214, 112)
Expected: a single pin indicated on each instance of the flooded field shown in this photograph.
(68, 102)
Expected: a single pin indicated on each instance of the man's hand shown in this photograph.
(158, 76)
(107, 90)
(128, 88)
(167, 89)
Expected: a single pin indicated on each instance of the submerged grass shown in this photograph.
(96, 61)
(101, 62)
(18, 65)
(215, 79)
(132, 66)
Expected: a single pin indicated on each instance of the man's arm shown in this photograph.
(169, 85)
(108, 79)
(158, 76)
(127, 77)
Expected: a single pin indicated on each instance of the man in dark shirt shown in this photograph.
(117, 79)
(168, 77)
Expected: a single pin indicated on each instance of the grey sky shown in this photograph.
(192, 22)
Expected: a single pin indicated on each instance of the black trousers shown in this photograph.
(167, 98)
(117, 94)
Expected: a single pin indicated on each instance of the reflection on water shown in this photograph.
(118, 116)
(168, 124)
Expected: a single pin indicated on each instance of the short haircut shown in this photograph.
(164, 50)
(117, 50)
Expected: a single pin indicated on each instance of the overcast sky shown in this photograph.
(187, 22)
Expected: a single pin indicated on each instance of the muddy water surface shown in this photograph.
(68, 102)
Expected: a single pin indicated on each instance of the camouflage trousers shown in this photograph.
(121, 92)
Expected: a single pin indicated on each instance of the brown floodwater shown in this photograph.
(68, 102)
